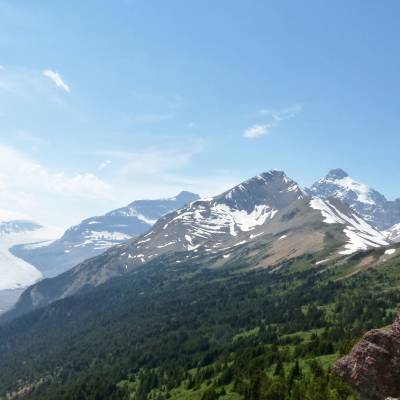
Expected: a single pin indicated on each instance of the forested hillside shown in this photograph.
(164, 332)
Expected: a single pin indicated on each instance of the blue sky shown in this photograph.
(104, 102)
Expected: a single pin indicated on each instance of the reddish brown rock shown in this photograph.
(373, 366)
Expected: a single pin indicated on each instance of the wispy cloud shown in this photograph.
(32, 188)
(19, 172)
(158, 171)
(256, 131)
(30, 86)
(283, 113)
(148, 162)
(273, 119)
(152, 160)
(56, 78)
(104, 164)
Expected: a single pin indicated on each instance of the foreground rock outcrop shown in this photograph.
(373, 366)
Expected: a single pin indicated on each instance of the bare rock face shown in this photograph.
(373, 366)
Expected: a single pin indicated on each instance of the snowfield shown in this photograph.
(14, 272)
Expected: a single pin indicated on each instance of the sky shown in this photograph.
(105, 102)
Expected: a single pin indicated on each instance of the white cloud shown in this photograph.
(104, 164)
(274, 118)
(28, 187)
(59, 198)
(153, 160)
(155, 172)
(57, 79)
(257, 131)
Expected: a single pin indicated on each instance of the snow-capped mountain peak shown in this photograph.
(361, 198)
(340, 185)
(272, 188)
(211, 223)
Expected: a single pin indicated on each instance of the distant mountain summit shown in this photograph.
(9, 227)
(96, 234)
(367, 202)
(336, 173)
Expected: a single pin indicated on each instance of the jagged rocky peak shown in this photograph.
(336, 173)
(373, 366)
(272, 188)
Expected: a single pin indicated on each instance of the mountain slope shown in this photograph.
(162, 332)
(95, 235)
(365, 201)
(260, 223)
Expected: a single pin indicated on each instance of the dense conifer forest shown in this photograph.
(165, 332)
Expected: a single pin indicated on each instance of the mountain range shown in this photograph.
(251, 294)
(265, 221)
(96, 234)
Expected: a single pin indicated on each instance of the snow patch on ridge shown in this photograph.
(389, 252)
(361, 235)
(132, 212)
(393, 233)
(103, 239)
(206, 220)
